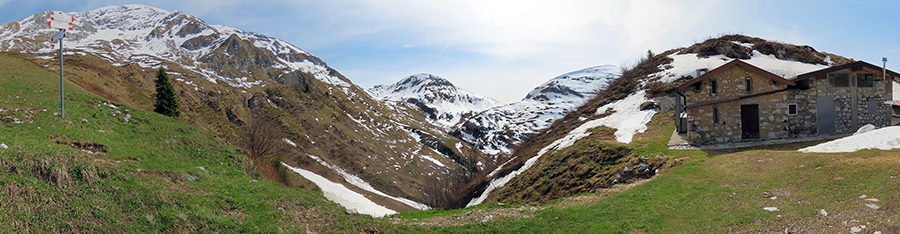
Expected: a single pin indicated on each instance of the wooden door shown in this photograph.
(749, 121)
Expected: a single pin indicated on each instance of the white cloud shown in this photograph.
(521, 43)
(525, 43)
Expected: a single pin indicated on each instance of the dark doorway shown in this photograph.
(749, 121)
(825, 109)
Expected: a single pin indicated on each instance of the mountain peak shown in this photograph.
(424, 79)
(150, 36)
(444, 103)
(577, 84)
(130, 17)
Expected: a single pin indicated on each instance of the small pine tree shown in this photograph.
(165, 95)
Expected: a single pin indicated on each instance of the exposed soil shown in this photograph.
(521, 212)
(85, 146)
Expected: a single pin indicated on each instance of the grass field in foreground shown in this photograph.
(727, 193)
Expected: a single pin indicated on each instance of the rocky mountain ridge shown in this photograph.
(497, 130)
(444, 103)
(151, 37)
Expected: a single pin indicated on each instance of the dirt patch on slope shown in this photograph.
(85, 146)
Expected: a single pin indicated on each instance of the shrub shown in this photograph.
(656, 88)
(648, 105)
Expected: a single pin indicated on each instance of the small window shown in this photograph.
(792, 109)
(873, 107)
(865, 80)
(749, 85)
(839, 80)
(773, 82)
(713, 86)
(715, 115)
(698, 86)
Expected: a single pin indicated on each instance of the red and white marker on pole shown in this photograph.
(63, 22)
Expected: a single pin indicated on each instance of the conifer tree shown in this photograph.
(165, 95)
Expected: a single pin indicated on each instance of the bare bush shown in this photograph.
(262, 139)
(264, 143)
(438, 194)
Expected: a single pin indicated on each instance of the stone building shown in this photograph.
(739, 102)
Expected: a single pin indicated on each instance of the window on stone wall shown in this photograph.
(792, 109)
(839, 80)
(865, 80)
(715, 115)
(713, 86)
(873, 106)
(749, 85)
(698, 86)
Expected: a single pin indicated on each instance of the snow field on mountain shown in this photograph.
(884, 139)
(343, 196)
(628, 120)
(511, 123)
(449, 102)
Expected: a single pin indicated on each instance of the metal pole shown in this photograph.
(62, 103)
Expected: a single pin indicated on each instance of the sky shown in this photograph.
(504, 49)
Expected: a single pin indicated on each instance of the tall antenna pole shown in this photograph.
(62, 102)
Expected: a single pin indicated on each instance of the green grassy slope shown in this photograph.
(716, 192)
(123, 169)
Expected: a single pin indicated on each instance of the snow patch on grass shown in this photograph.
(435, 161)
(290, 142)
(360, 183)
(343, 196)
(884, 139)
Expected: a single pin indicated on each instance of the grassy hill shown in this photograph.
(109, 167)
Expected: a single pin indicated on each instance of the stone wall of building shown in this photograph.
(731, 83)
(774, 120)
(805, 123)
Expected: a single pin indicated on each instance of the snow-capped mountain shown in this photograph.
(495, 130)
(445, 104)
(150, 37)
(226, 77)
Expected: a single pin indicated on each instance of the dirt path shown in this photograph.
(523, 212)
